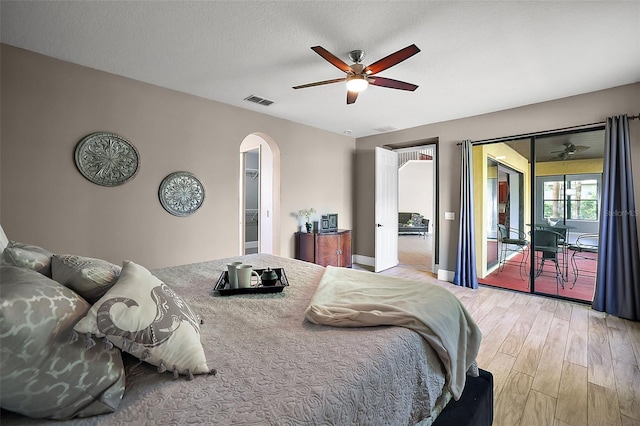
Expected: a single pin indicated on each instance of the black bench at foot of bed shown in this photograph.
(475, 406)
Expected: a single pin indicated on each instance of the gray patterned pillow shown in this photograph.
(90, 278)
(27, 256)
(45, 373)
(141, 315)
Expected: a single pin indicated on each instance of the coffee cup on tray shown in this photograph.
(232, 274)
(245, 274)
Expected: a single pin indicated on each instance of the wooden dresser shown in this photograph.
(325, 249)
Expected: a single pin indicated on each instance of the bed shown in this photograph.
(274, 367)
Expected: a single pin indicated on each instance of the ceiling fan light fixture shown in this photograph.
(357, 83)
(357, 78)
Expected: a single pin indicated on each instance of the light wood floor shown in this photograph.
(415, 251)
(553, 362)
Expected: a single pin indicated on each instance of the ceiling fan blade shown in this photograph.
(319, 83)
(330, 57)
(351, 97)
(391, 83)
(572, 149)
(391, 60)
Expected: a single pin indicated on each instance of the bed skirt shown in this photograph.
(475, 406)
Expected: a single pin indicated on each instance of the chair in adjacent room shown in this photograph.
(548, 244)
(512, 242)
(425, 223)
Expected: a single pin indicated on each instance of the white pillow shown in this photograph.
(4, 241)
(141, 315)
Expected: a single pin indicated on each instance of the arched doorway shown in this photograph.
(259, 203)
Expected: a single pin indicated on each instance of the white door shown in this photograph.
(266, 200)
(386, 209)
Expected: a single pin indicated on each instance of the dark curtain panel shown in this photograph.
(466, 274)
(618, 279)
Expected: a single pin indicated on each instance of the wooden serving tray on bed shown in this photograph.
(222, 285)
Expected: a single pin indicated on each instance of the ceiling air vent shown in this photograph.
(258, 100)
(385, 129)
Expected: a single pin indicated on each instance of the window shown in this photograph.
(553, 199)
(571, 197)
(582, 199)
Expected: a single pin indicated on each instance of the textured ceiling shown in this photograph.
(476, 57)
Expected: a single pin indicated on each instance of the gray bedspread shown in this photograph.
(276, 368)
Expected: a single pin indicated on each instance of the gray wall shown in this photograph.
(48, 105)
(572, 111)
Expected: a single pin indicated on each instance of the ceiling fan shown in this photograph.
(360, 76)
(569, 150)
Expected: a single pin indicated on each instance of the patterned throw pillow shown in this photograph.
(416, 219)
(90, 278)
(141, 315)
(27, 256)
(46, 370)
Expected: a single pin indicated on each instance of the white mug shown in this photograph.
(245, 272)
(233, 274)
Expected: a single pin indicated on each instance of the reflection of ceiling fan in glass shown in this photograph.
(569, 150)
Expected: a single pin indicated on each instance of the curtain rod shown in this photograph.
(564, 129)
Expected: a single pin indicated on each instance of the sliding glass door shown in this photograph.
(501, 180)
(537, 225)
(568, 181)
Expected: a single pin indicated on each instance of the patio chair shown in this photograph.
(585, 248)
(509, 244)
(548, 244)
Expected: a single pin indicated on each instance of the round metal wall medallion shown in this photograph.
(106, 159)
(181, 193)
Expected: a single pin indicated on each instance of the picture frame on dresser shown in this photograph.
(328, 223)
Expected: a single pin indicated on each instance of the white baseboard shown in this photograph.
(363, 260)
(444, 275)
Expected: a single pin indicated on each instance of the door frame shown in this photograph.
(435, 195)
(269, 206)
(246, 177)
